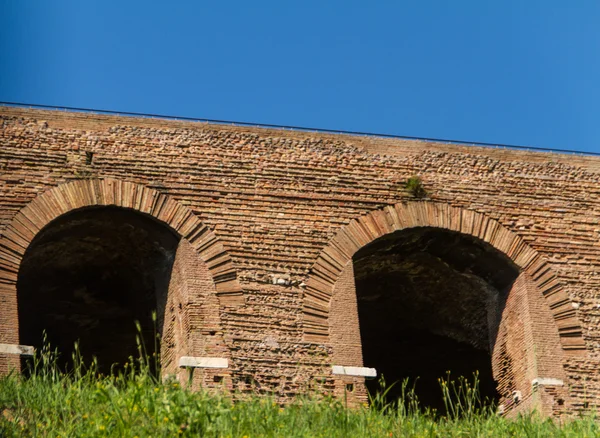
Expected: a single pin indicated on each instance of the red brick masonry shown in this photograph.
(270, 219)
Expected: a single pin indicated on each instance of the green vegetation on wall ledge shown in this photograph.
(414, 186)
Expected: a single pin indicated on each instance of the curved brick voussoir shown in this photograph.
(111, 192)
(362, 231)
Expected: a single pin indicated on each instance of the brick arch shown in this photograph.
(359, 232)
(106, 192)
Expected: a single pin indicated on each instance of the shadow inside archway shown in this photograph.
(88, 275)
(430, 301)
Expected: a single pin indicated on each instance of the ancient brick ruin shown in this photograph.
(296, 259)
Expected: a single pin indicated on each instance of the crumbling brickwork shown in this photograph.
(276, 215)
(191, 325)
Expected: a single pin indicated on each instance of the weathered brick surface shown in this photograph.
(273, 200)
(344, 335)
(191, 323)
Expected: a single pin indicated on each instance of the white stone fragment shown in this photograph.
(547, 381)
(517, 396)
(203, 362)
(23, 350)
(354, 371)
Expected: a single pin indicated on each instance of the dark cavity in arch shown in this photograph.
(88, 275)
(430, 302)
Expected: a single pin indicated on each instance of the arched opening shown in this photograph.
(88, 275)
(429, 302)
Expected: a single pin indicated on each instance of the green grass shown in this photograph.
(132, 402)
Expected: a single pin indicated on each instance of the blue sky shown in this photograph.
(513, 72)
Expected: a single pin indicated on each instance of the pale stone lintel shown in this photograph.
(23, 350)
(354, 371)
(547, 381)
(203, 362)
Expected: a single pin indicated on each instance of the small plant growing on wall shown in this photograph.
(414, 186)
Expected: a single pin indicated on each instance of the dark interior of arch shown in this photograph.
(88, 276)
(430, 301)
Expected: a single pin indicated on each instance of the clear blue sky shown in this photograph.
(516, 72)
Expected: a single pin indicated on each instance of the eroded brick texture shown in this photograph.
(274, 199)
(192, 324)
(344, 336)
(527, 347)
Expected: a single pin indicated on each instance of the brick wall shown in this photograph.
(274, 199)
(192, 325)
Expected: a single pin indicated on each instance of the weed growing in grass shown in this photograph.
(462, 398)
(134, 402)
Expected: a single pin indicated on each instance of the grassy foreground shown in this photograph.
(132, 403)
